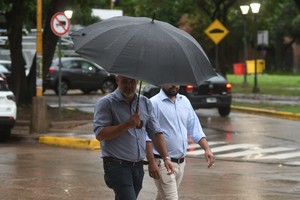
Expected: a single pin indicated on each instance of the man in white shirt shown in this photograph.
(178, 121)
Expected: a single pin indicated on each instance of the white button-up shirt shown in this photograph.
(178, 120)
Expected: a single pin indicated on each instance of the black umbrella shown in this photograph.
(144, 49)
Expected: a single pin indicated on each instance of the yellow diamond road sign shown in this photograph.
(216, 31)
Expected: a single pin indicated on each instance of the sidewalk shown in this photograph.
(72, 134)
(79, 134)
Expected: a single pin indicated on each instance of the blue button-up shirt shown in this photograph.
(178, 120)
(113, 109)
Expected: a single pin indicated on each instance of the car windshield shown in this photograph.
(3, 69)
(6, 65)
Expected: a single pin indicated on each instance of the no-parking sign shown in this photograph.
(60, 24)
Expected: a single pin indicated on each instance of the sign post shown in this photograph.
(60, 25)
(216, 32)
(263, 41)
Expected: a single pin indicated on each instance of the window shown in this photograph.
(86, 66)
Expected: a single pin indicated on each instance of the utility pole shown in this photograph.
(39, 122)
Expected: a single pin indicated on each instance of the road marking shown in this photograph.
(223, 148)
(257, 152)
(194, 145)
(248, 152)
(282, 156)
(296, 163)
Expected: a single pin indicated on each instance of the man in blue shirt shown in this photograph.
(122, 131)
(178, 121)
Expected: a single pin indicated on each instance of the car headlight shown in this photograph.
(11, 97)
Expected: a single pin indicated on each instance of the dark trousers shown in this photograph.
(125, 180)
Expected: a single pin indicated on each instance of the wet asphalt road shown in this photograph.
(31, 171)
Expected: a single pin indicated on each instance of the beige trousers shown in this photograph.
(167, 186)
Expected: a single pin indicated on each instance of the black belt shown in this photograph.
(175, 160)
(124, 162)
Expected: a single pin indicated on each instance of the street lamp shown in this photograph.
(245, 10)
(68, 13)
(255, 10)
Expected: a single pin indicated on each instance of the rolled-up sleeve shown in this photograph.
(102, 115)
(194, 128)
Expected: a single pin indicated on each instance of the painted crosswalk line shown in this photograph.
(282, 155)
(192, 146)
(295, 163)
(249, 152)
(222, 148)
(256, 152)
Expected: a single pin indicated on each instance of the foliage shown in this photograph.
(169, 11)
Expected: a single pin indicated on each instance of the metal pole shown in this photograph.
(217, 58)
(39, 50)
(59, 76)
(245, 84)
(255, 87)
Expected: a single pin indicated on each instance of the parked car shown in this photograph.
(213, 93)
(6, 64)
(78, 73)
(5, 71)
(8, 110)
(3, 77)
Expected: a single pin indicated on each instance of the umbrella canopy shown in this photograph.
(144, 49)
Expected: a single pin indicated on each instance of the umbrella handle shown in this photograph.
(141, 125)
(137, 111)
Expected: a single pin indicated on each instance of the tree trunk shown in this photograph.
(14, 19)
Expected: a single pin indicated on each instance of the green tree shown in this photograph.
(14, 14)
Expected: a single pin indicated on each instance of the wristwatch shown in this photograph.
(166, 158)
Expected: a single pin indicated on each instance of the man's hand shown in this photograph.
(134, 120)
(153, 170)
(210, 158)
(169, 166)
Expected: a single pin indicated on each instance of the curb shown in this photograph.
(285, 115)
(79, 143)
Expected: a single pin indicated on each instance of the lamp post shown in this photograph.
(255, 10)
(68, 13)
(245, 10)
